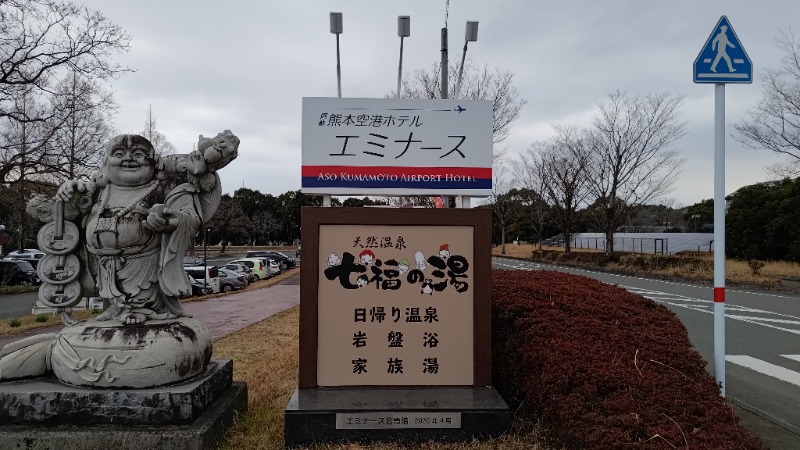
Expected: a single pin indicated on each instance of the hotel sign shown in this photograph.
(357, 146)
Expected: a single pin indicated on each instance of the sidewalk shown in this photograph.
(222, 315)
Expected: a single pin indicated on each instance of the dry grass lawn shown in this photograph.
(736, 271)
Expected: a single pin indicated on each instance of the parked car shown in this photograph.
(205, 274)
(284, 262)
(17, 272)
(273, 266)
(259, 269)
(30, 255)
(230, 280)
(198, 288)
(242, 269)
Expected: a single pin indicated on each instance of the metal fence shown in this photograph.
(656, 243)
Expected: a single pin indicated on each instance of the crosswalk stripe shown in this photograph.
(781, 373)
(794, 357)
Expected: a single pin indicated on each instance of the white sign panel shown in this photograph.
(358, 146)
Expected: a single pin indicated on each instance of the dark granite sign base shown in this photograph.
(399, 415)
(196, 414)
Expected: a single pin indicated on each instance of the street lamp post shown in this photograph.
(471, 35)
(404, 31)
(205, 259)
(337, 28)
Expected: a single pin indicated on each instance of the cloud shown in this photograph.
(207, 66)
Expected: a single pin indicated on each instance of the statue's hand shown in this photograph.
(161, 218)
(66, 190)
(219, 150)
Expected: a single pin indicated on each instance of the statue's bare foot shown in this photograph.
(131, 318)
(110, 313)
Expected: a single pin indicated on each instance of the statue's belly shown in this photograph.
(123, 233)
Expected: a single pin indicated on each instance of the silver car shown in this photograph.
(242, 269)
(230, 280)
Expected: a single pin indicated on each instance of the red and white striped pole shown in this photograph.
(719, 236)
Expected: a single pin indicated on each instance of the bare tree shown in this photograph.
(561, 164)
(774, 123)
(23, 143)
(41, 39)
(160, 142)
(531, 175)
(503, 205)
(85, 110)
(477, 84)
(26, 164)
(495, 85)
(632, 161)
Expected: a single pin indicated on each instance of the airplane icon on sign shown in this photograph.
(459, 109)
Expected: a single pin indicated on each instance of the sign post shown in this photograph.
(722, 60)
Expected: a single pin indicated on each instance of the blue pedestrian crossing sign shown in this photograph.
(723, 59)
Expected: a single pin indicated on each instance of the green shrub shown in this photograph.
(14, 322)
(41, 318)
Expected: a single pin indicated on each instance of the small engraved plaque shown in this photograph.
(376, 420)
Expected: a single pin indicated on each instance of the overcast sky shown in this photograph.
(206, 66)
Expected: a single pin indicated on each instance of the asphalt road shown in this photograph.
(762, 348)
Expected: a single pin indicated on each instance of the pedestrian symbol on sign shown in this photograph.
(723, 46)
(720, 43)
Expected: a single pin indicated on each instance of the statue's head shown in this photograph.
(130, 161)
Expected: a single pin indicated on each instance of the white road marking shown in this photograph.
(791, 324)
(794, 357)
(781, 373)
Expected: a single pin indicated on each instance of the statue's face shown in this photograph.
(130, 161)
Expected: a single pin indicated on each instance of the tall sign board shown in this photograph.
(363, 146)
(395, 304)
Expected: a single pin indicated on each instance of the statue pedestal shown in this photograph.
(106, 354)
(44, 414)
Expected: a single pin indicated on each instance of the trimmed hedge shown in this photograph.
(604, 368)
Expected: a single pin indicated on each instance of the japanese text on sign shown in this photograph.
(401, 303)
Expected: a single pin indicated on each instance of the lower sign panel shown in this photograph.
(395, 420)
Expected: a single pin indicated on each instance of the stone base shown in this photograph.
(204, 433)
(366, 415)
(45, 414)
(46, 401)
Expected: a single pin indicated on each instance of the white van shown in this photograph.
(211, 274)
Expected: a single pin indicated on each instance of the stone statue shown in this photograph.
(122, 236)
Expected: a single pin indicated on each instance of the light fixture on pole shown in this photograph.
(470, 36)
(404, 31)
(336, 28)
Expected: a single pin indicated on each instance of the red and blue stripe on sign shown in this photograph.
(378, 177)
